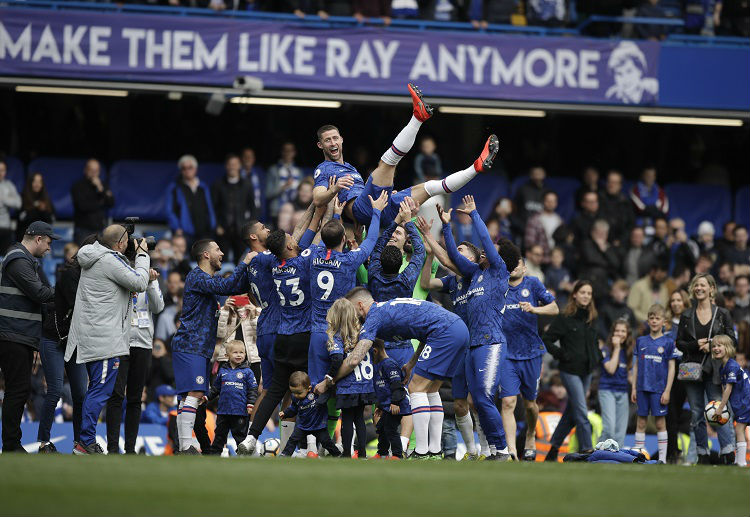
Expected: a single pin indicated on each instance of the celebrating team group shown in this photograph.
(338, 317)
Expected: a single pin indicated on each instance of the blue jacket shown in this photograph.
(178, 215)
(152, 414)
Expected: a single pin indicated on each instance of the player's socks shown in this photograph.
(640, 440)
(285, 431)
(483, 443)
(312, 443)
(186, 421)
(661, 439)
(493, 450)
(450, 184)
(405, 443)
(436, 423)
(403, 142)
(740, 458)
(420, 411)
(466, 427)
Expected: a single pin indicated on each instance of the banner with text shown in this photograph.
(198, 50)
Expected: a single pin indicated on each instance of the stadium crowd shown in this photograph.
(706, 17)
(620, 269)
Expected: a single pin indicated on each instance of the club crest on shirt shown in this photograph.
(660, 349)
(239, 375)
(525, 293)
(199, 379)
(481, 277)
(459, 286)
(310, 396)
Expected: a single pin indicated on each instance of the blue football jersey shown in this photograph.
(406, 318)
(388, 382)
(359, 380)
(264, 290)
(732, 373)
(292, 280)
(653, 357)
(617, 381)
(311, 415)
(237, 388)
(334, 273)
(521, 328)
(457, 288)
(327, 169)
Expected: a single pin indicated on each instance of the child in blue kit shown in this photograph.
(312, 416)
(393, 401)
(736, 392)
(237, 389)
(617, 356)
(653, 371)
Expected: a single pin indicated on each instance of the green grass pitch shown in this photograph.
(185, 486)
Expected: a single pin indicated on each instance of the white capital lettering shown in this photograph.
(385, 55)
(566, 62)
(47, 47)
(587, 69)
(478, 61)
(337, 54)
(21, 46)
(364, 63)
(97, 44)
(539, 54)
(72, 44)
(423, 64)
(133, 36)
(216, 58)
(303, 55)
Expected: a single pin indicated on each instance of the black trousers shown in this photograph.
(353, 418)
(289, 355)
(131, 378)
(231, 240)
(299, 438)
(677, 397)
(15, 362)
(388, 435)
(225, 423)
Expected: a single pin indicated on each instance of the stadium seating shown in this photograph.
(59, 176)
(15, 172)
(565, 188)
(487, 189)
(742, 206)
(695, 203)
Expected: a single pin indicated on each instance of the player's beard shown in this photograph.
(216, 264)
(330, 157)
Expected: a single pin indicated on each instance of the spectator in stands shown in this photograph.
(282, 179)
(234, 202)
(190, 211)
(649, 199)
(589, 183)
(739, 252)
(726, 240)
(157, 412)
(679, 300)
(285, 219)
(706, 243)
(427, 164)
(704, 264)
(9, 200)
(615, 308)
(181, 261)
(698, 324)
(165, 325)
(701, 16)
(725, 280)
(91, 200)
(557, 277)
(684, 251)
(541, 227)
(304, 193)
(162, 370)
(661, 240)
(22, 295)
(337, 7)
(161, 260)
(550, 13)
(616, 209)
(589, 212)
(638, 258)
(404, 9)
(681, 277)
(503, 213)
(36, 204)
(528, 199)
(175, 286)
(534, 258)
(651, 9)
(649, 290)
(494, 11)
(363, 9)
(253, 174)
(735, 18)
(600, 261)
(741, 310)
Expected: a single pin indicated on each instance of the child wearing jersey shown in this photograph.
(736, 392)
(617, 355)
(654, 373)
(393, 401)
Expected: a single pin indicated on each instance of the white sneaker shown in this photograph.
(247, 446)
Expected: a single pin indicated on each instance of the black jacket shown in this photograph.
(56, 323)
(687, 342)
(598, 266)
(578, 352)
(618, 212)
(234, 204)
(89, 205)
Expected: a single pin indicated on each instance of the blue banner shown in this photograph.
(206, 51)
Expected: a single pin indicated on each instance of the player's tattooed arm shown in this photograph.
(354, 358)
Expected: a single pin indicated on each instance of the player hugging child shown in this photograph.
(312, 416)
(653, 370)
(355, 391)
(393, 401)
(237, 389)
(736, 392)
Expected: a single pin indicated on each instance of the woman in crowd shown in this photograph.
(36, 204)
(578, 354)
(698, 324)
(679, 301)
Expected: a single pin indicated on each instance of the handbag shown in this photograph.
(691, 370)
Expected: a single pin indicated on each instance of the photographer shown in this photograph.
(134, 368)
(100, 328)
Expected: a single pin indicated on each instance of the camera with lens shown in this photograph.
(129, 226)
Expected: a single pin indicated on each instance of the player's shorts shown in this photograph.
(742, 418)
(265, 351)
(483, 370)
(401, 351)
(442, 353)
(192, 372)
(318, 360)
(459, 385)
(520, 376)
(649, 401)
(362, 208)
